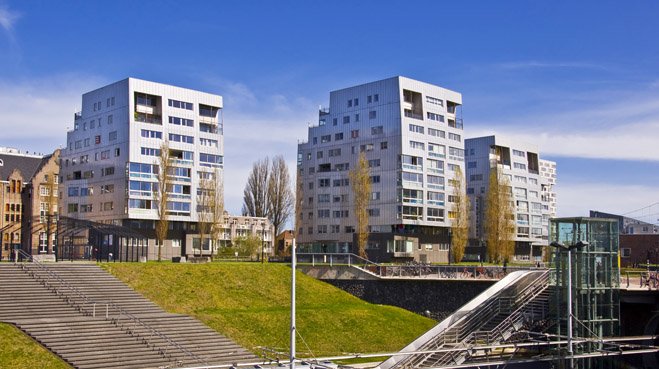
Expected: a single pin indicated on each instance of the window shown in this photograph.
(346, 119)
(108, 171)
(338, 136)
(436, 132)
(179, 104)
(434, 101)
(374, 163)
(356, 102)
(375, 195)
(181, 138)
(384, 145)
(150, 151)
(319, 154)
(151, 134)
(376, 98)
(334, 152)
(354, 133)
(323, 198)
(416, 129)
(356, 117)
(436, 150)
(454, 137)
(110, 118)
(412, 179)
(340, 213)
(341, 167)
(372, 114)
(369, 99)
(375, 179)
(323, 182)
(350, 103)
(105, 154)
(436, 182)
(417, 145)
(520, 179)
(334, 228)
(210, 160)
(92, 124)
(322, 228)
(519, 166)
(108, 188)
(435, 117)
(435, 214)
(436, 166)
(341, 182)
(366, 147)
(323, 213)
(377, 130)
(112, 136)
(373, 212)
(208, 142)
(471, 164)
(181, 121)
(435, 198)
(456, 154)
(334, 121)
(519, 153)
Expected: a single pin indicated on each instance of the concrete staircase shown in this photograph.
(63, 306)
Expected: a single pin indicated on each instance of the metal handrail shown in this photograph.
(115, 320)
(462, 332)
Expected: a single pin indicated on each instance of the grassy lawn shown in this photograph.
(18, 351)
(250, 302)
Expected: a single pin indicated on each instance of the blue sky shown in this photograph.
(580, 79)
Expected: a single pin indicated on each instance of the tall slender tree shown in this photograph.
(160, 195)
(280, 195)
(217, 205)
(205, 200)
(499, 225)
(460, 224)
(255, 194)
(360, 181)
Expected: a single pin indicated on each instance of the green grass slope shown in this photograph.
(18, 351)
(250, 303)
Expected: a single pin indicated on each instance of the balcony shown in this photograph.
(410, 114)
(455, 123)
(323, 111)
(146, 109)
(148, 118)
(413, 167)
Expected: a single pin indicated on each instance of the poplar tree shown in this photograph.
(360, 180)
(160, 195)
(499, 225)
(460, 224)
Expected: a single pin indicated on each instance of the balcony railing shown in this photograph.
(148, 118)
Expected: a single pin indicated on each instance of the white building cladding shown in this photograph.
(532, 180)
(109, 166)
(411, 134)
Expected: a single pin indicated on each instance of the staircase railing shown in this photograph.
(121, 318)
(464, 333)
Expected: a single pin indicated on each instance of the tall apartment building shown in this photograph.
(532, 183)
(28, 202)
(109, 167)
(411, 134)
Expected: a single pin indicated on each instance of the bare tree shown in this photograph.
(499, 226)
(205, 202)
(460, 224)
(160, 196)
(360, 181)
(299, 196)
(217, 205)
(280, 195)
(255, 195)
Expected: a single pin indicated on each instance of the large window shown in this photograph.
(210, 160)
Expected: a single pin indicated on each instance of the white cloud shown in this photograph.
(40, 110)
(8, 19)
(577, 199)
(625, 129)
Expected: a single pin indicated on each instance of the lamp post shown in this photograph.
(569, 249)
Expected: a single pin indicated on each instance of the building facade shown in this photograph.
(531, 180)
(411, 133)
(110, 165)
(28, 196)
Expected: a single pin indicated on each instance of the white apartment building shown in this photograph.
(412, 136)
(108, 169)
(532, 180)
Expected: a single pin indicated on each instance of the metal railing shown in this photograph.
(464, 331)
(127, 322)
(410, 270)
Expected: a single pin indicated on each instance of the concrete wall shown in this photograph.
(438, 297)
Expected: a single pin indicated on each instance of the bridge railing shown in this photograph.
(410, 269)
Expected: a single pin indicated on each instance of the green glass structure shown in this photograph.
(593, 244)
